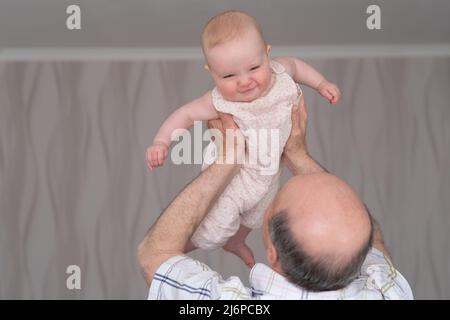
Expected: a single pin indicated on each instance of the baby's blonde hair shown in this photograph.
(227, 26)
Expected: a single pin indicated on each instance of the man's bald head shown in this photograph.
(321, 231)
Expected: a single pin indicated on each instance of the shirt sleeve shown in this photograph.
(183, 278)
(383, 278)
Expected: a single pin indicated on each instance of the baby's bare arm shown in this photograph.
(301, 72)
(184, 117)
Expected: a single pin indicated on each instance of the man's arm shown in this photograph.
(378, 241)
(298, 160)
(295, 154)
(184, 117)
(170, 233)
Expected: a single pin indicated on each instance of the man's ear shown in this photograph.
(272, 255)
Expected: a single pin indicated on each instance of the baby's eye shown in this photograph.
(254, 68)
(228, 76)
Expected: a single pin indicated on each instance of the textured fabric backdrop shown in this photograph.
(74, 189)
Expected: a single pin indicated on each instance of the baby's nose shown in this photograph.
(244, 81)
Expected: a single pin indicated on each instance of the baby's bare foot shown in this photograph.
(241, 250)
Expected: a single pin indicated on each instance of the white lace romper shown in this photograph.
(251, 191)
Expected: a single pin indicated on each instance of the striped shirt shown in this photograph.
(182, 277)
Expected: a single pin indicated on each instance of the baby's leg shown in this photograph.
(236, 245)
(220, 224)
(219, 227)
(253, 218)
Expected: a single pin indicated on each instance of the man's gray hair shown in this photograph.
(309, 272)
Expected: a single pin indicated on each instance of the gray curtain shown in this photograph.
(74, 189)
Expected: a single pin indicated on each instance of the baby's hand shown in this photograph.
(156, 154)
(330, 91)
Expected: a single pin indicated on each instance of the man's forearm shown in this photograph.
(378, 241)
(170, 233)
(302, 163)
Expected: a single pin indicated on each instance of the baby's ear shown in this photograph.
(206, 67)
(268, 48)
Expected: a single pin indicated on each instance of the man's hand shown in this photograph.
(296, 144)
(231, 143)
(329, 91)
(295, 154)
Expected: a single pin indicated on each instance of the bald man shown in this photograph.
(317, 232)
(321, 242)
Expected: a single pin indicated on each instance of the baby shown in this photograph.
(259, 93)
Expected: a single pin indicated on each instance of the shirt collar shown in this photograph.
(266, 282)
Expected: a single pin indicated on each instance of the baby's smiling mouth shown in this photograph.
(248, 90)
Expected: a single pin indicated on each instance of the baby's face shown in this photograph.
(240, 68)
